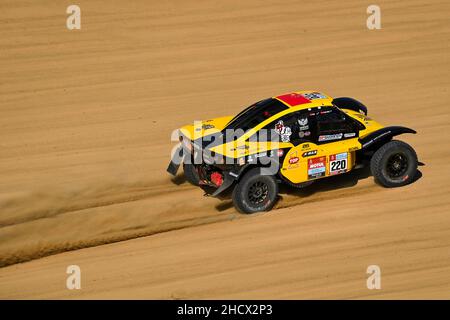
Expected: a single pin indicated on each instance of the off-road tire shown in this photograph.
(245, 193)
(394, 164)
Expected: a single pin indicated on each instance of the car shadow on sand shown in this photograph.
(335, 183)
(322, 185)
(330, 183)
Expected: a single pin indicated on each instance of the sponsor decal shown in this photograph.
(352, 149)
(205, 127)
(302, 134)
(309, 153)
(314, 95)
(276, 153)
(305, 146)
(241, 147)
(349, 135)
(316, 167)
(329, 137)
(280, 153)
(254, 157)
(375, 139)
(338, 163)
(363, 117)
(303, 123)
(283, 131)
(293, 160)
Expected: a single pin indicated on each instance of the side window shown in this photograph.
(297, 127)
(333, 125)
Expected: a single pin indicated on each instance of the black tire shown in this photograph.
(255, 192)
(394, 164)
(191, 174)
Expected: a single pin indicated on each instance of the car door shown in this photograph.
(327, 143)
(306, 160)
(337, 134)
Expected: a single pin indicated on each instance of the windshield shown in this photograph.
(255, 114)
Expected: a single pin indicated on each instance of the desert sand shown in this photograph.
(86, 119)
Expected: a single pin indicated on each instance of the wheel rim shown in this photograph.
(258, 192)
(397, 165)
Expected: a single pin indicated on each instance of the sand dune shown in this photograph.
(85, 125)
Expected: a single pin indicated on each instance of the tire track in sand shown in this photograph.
(45, 223)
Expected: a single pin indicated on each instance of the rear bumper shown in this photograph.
(204, 180)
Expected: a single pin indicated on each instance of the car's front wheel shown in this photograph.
(394, 164)
(255, 192)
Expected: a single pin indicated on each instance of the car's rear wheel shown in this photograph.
(394, 164)
(191, 174)
(255, 192)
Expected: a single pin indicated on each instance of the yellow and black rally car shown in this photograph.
(295, 139)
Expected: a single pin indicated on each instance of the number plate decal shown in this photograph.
(338, 163)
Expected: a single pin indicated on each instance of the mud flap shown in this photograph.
(228, 181)
(175, 161)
